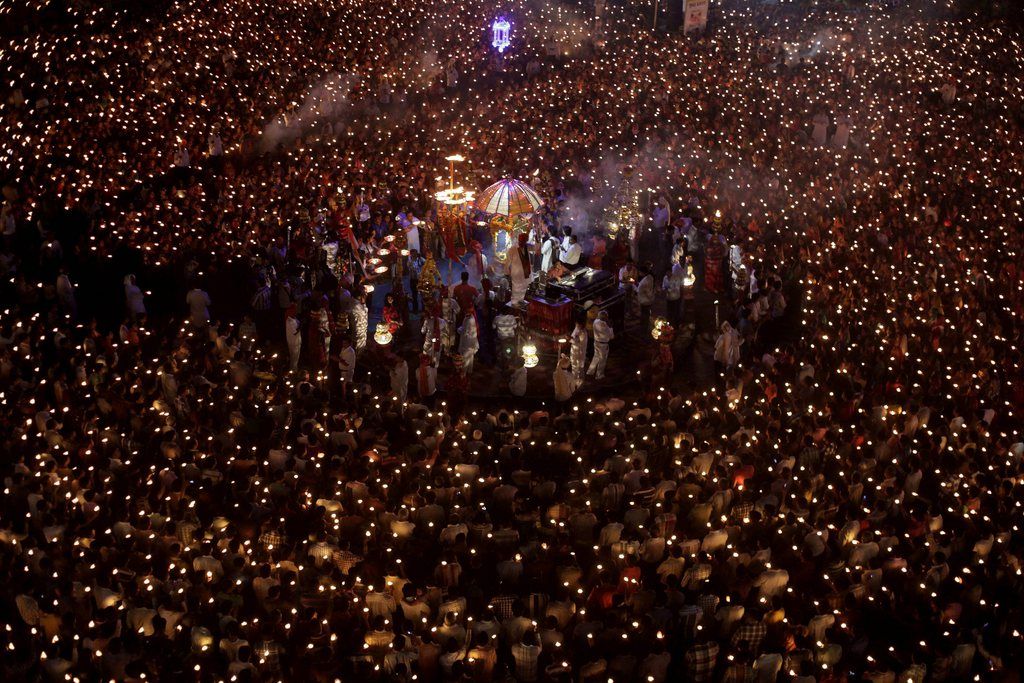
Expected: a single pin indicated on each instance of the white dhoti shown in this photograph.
(599, 361)
(578, 353)
(468, 343)
(518, 274)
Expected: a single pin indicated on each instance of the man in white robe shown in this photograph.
(517, 385)
(347, 365)
(469, 343)
(578, 352)
(519, 269)
(820, 134)
(548, 253)
(400, 380)
(565, 385)
(198, 302)
(293, 335)
(603, 334)
(727, 347)
(360, 320)
(477, 264)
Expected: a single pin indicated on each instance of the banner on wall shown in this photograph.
(695, 15)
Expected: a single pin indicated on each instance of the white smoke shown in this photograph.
(327, 101)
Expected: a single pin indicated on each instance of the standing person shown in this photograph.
(318, 335)
(571, 253)
(134, 298)
(469, 343)
(360, 321)
(629, 275)
(598, 251)
(346, 365)
(548, 253)
(948, 91)
(426, 377)
(517, 384)
(476, 268)
(645, 290)
(534, 242)
(465, 296)
(841, 139)
(433, 331)
(262, 303)
(293, 335)
(714, 265)
(485, 308)
(451, 314)
(727, 346)
(603, 334)
(820, 133)
(673, 286)
(565, 384)
(182, 162)
(519, 270)
(198, 306)
(399, 379)
(66, 293)
(411, 225)
(661, 214)
(416, 263)
(578, 351)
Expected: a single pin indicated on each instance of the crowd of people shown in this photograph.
(213, 470)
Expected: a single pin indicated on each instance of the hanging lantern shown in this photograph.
(530, 358)
(382, 335)
(500, 31)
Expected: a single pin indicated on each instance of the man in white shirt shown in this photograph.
(645, 295)
(293, 335)
(517, 385)
(346, 365)
(571, 252)
(198, 301)
(673, 286)
(426, 377)
(548, 253)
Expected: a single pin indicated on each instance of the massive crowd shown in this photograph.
(213, 472)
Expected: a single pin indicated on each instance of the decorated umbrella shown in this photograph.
(508, 197)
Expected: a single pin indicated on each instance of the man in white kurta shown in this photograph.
(400, 380)
(727, 347)
(603, 334)
(293, 335)
(565, 385)
(578, 351)
(469, 344)
(820, 133)
(198, 306)
(434, 330)
(360, 320)
(476, 266)
(346, 365)
(517, 385)
(519, 269)
(548, 253)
